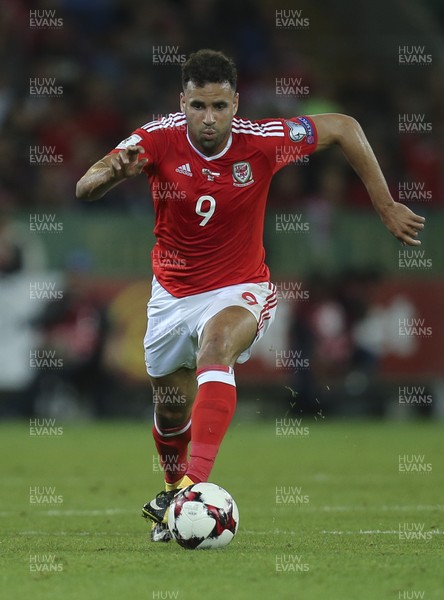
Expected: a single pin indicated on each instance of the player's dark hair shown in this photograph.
(209, 66)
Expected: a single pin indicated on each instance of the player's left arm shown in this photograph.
(345, 131)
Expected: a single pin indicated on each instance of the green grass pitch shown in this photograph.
(325, 514)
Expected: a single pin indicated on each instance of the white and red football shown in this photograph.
(203, 515)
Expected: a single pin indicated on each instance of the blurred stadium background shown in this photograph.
(360, 326)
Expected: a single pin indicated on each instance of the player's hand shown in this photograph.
(403, 223)
(126, 164)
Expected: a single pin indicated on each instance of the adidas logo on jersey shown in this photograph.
(184, 170)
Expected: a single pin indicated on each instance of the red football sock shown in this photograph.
(172, 446)
(212, 413)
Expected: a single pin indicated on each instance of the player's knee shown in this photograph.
(171, 416)
(226, 336)
(170, 402)
(216, 350)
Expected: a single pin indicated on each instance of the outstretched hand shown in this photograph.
(126, 163)
(403, 223)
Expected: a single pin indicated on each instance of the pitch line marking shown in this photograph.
(384, 507)
(374, 532)
(116, 511)
(247, 532)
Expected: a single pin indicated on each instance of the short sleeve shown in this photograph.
(296, 140)
(151, 141)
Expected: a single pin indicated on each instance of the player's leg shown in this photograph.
(225, 336)
(170, 361)
(214, 330)
(173, 397)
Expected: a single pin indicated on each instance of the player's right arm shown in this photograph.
(109, 172)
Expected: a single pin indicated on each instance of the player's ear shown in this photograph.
(235, 102)
(182, 101)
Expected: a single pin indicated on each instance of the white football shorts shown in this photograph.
(175, 325)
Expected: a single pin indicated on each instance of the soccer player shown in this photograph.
(212, 299)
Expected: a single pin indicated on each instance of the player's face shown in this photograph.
(209, 111)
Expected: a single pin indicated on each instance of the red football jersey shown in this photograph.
(210, 210)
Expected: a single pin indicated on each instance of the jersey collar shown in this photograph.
(221, 153)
